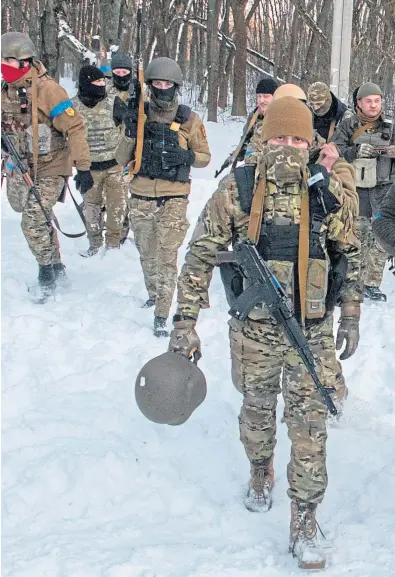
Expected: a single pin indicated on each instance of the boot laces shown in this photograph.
(307, 526)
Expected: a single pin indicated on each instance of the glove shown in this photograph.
(366, 151)
(83, 181)
(348, 330)
(184, 339)
(119, 110)
(391, 151)
(132, 115)
(178, 156)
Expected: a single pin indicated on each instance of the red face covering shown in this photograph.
(11, 74)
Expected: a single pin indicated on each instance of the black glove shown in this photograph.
(131, 117)
(83, 181)
(119, 110)
(177, 156)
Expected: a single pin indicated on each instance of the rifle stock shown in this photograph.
(265, 288)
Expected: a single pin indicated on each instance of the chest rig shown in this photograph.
(17, 121)
(370, 172)
(157, 137)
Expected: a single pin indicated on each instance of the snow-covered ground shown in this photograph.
(92, 489)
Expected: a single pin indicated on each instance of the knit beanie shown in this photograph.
(287, 116)
(368, 89)
(89, 74)
(290, 90)
(121, 60)
(266, 86)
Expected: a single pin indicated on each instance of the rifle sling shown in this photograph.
(361, 130)
(35, 122)
(256, 213)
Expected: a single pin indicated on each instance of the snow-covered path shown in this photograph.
(92, 489)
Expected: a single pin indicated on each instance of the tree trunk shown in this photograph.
(222, 76)
(49, 38)
(239, 107)
(109, 22)
(212, 59)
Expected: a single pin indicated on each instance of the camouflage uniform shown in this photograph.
(259, 350)
(109, 189)
(61, 142)
(158, 208)
(373, 256)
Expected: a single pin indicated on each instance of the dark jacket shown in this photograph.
(336, 113)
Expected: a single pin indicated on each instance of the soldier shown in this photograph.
(49, 134)
(265, 89)
(273, 211)
(328, 110)
(99, 114)
(122, 66)
(174, 141)
(356, 139)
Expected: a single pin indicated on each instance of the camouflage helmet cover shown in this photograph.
(164, 68)
(320, 98)
(17, 45)
(169, 388)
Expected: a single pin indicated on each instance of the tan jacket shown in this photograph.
(191, 135)
(62, 140)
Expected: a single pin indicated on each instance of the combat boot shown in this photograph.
(374, 293)
(149, 303)
(259, 494)
(60, 274)
(303, 542)
(46, 276)
(160, 327)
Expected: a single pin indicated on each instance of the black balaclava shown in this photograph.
(88, 93)
(121, 82)
(164, 98)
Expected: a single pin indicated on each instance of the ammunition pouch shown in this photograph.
(365, 172)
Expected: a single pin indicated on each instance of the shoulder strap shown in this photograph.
(35, 121)
(331, 130)
(359, 131)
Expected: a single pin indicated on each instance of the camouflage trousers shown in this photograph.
(42, 240)
(159, 229)
(373, 257)
(262, 360)
(108, 191)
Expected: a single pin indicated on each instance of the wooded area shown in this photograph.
(222, 46)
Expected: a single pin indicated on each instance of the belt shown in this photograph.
(159, 199)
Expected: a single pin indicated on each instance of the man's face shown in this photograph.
(121, 71)
(370, 105)
(99, 82)
(263, 101)
(317, 104)
(162, 84)
(294, 141)
(10, 62)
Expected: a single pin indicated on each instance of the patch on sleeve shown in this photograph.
(203, 131)
(64, 106)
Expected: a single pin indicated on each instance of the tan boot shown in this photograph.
(259, 494)
(303, 542)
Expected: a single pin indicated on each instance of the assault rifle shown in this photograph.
(266, 289)
(8, 146)
(232, 158)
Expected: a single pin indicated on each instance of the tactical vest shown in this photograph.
(157, 137)
(17, 119)
(370, 172)
(279, 241)
(102, 134)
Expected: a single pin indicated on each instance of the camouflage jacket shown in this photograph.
(61, 134)
(223, 223)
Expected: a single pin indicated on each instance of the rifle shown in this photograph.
(8, 146)
(266, 289)
(140, 96)
(232, 158)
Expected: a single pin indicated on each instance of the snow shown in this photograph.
(93, 489)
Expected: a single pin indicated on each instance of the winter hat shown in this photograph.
(121, 60)
(287, 116)
(369, 89)
(290, 90)
(266, 86)
(89, 74)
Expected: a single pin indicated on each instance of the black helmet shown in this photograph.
(169, 388)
